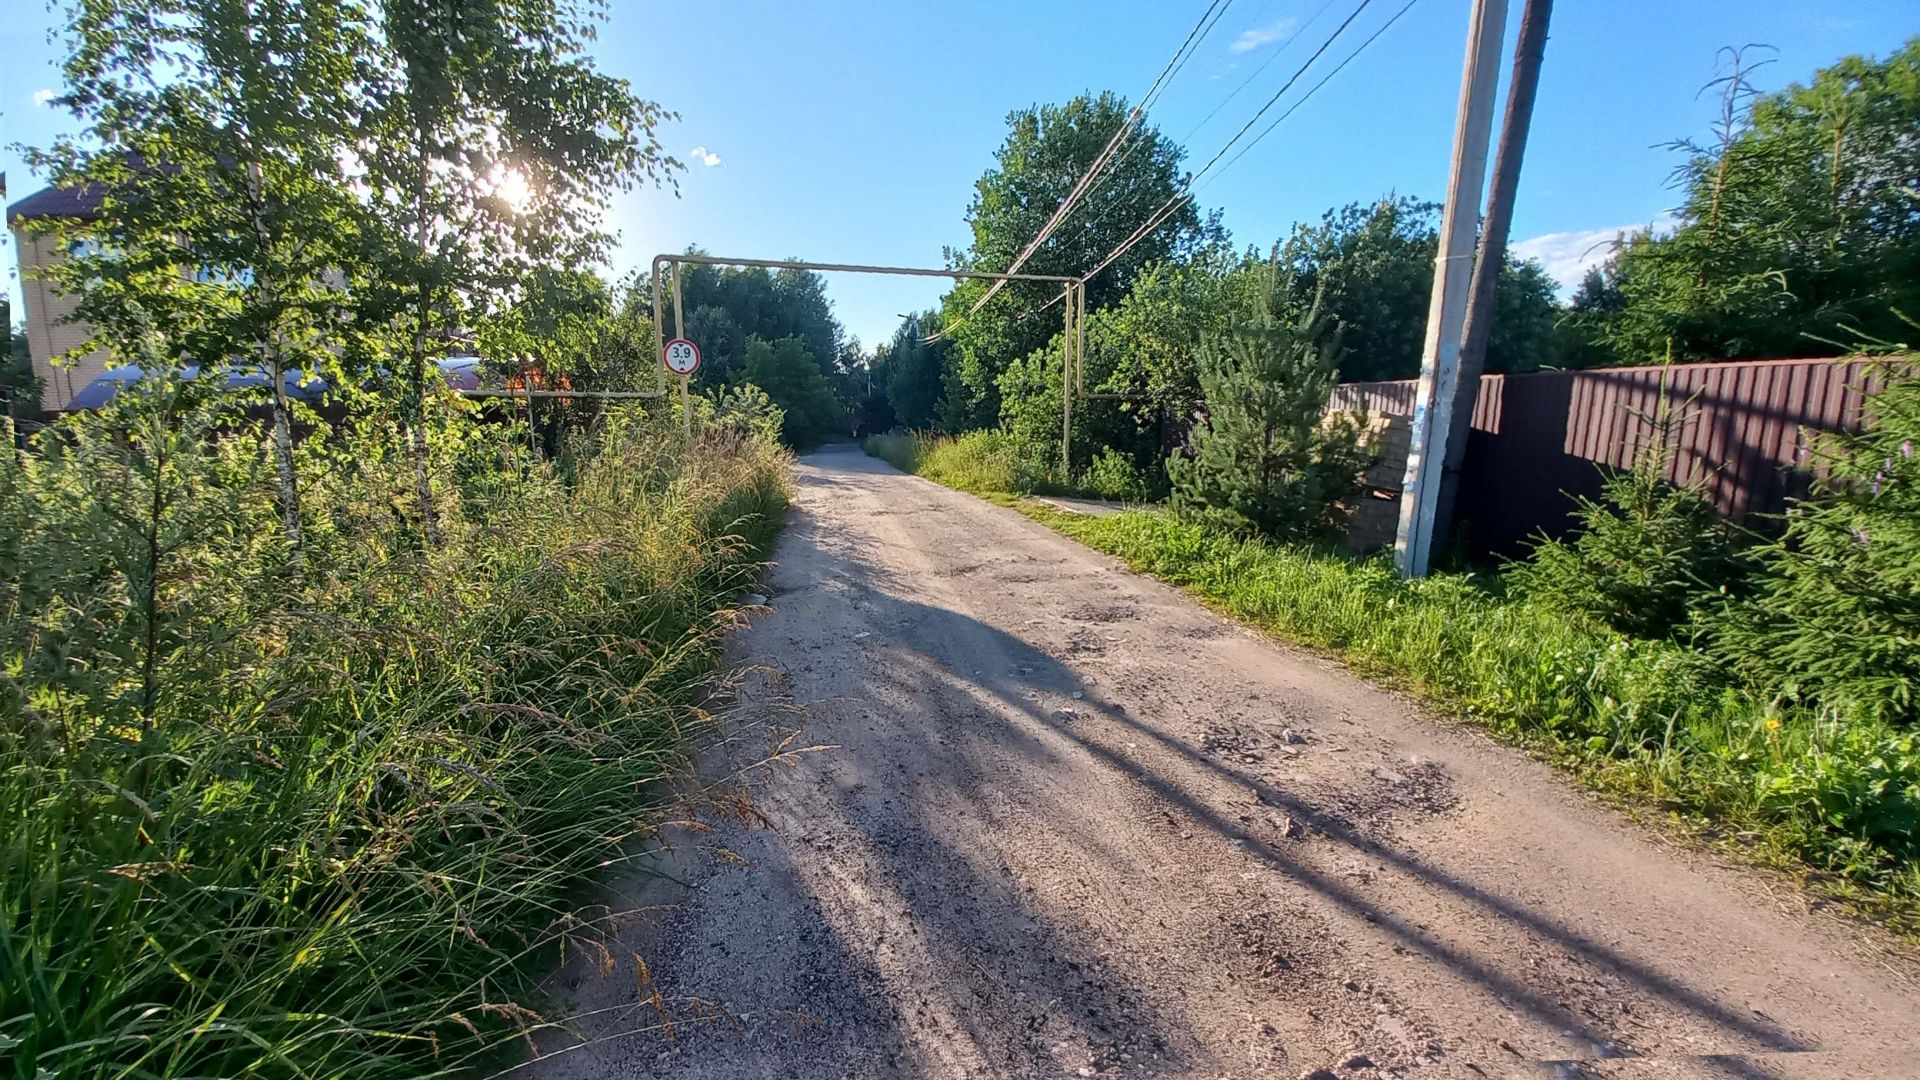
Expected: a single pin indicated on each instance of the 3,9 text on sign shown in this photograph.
(681, 356)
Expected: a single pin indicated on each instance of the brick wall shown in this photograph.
(1376, 516)
(48, 336)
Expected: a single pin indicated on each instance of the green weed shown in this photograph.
(325, 819)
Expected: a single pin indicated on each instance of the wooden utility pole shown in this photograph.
(1528, 48)
(1452, 277)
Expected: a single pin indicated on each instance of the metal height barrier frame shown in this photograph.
(1073, 293)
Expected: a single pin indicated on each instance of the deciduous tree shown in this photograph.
(211, 138)
(1047, 149)
(792, 378)
(1373, 265)
(491, 145)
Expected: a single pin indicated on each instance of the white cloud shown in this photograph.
(1259, 37)
(705, 157)
(1568, 256)
(43, 97)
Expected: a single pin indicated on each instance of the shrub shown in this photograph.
(792, 378)
(1835, 618)
(899, 451)
(982, 462)
(746, 410)
(327, 820)
(1113, 475)
(1030, 413)
(1648, 558)
(1269, 459)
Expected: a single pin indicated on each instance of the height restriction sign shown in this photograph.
(681, 356)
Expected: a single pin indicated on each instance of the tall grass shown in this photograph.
(996, 463)
(981, 462)
(326, 821)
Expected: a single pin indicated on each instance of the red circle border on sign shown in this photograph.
(698, 359)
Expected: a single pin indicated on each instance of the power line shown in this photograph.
(1138, 141)
(1189, 191)
(1135, 143)
(1257, 72)
(1168, 208)
(1208, 18)
(1284, 87)
(1191, 47)
(1371, 38)
(1174, 202)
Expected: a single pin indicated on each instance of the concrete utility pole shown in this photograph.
(1452, 274)
(1528, 48)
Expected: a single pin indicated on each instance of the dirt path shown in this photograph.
(1077, 825)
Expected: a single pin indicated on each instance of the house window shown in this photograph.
(213, 275)
(85, 247)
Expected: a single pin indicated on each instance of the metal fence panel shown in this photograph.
(1540, 438)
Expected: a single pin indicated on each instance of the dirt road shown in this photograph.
(1077, 825)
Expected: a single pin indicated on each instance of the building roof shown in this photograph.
(80, 201)
(58, 202)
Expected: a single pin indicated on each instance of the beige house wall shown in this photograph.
(49, 335)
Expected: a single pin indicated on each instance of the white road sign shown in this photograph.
(681, 356)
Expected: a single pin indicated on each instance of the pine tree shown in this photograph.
(1650, 554)
(1835, 619)
(1269, 459)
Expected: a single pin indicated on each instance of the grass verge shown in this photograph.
(327, 818)
(1650, 722)
(979, 462)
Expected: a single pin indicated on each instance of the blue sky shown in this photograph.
(853, 132)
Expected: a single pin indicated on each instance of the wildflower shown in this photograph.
(1906, 448)
(1860, 536)
(1773, 725)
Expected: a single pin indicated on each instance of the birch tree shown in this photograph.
(210, 136)
(491, 146)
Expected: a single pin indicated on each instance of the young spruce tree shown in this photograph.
(1835, 618)
(1269, 459)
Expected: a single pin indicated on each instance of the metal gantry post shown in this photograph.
(1066, 388)
(1080, 338)
(680, 330)
(659, 330)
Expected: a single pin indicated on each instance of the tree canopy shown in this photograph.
(1799, 234)
(915, 370)
(1373, 265)
(1046, 151)
(727, 305)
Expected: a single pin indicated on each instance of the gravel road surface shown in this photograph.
(1074, 824)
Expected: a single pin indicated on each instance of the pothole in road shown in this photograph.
(1369, 802)
(1238, 745)
(1085, 642)
(1103, 613)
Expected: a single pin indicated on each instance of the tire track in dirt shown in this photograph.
(1076, 825)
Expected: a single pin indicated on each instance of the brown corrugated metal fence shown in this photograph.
(1539, 438)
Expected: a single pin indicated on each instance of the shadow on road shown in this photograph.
(895, 926)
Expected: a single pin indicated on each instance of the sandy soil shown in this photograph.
(1074, 824)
